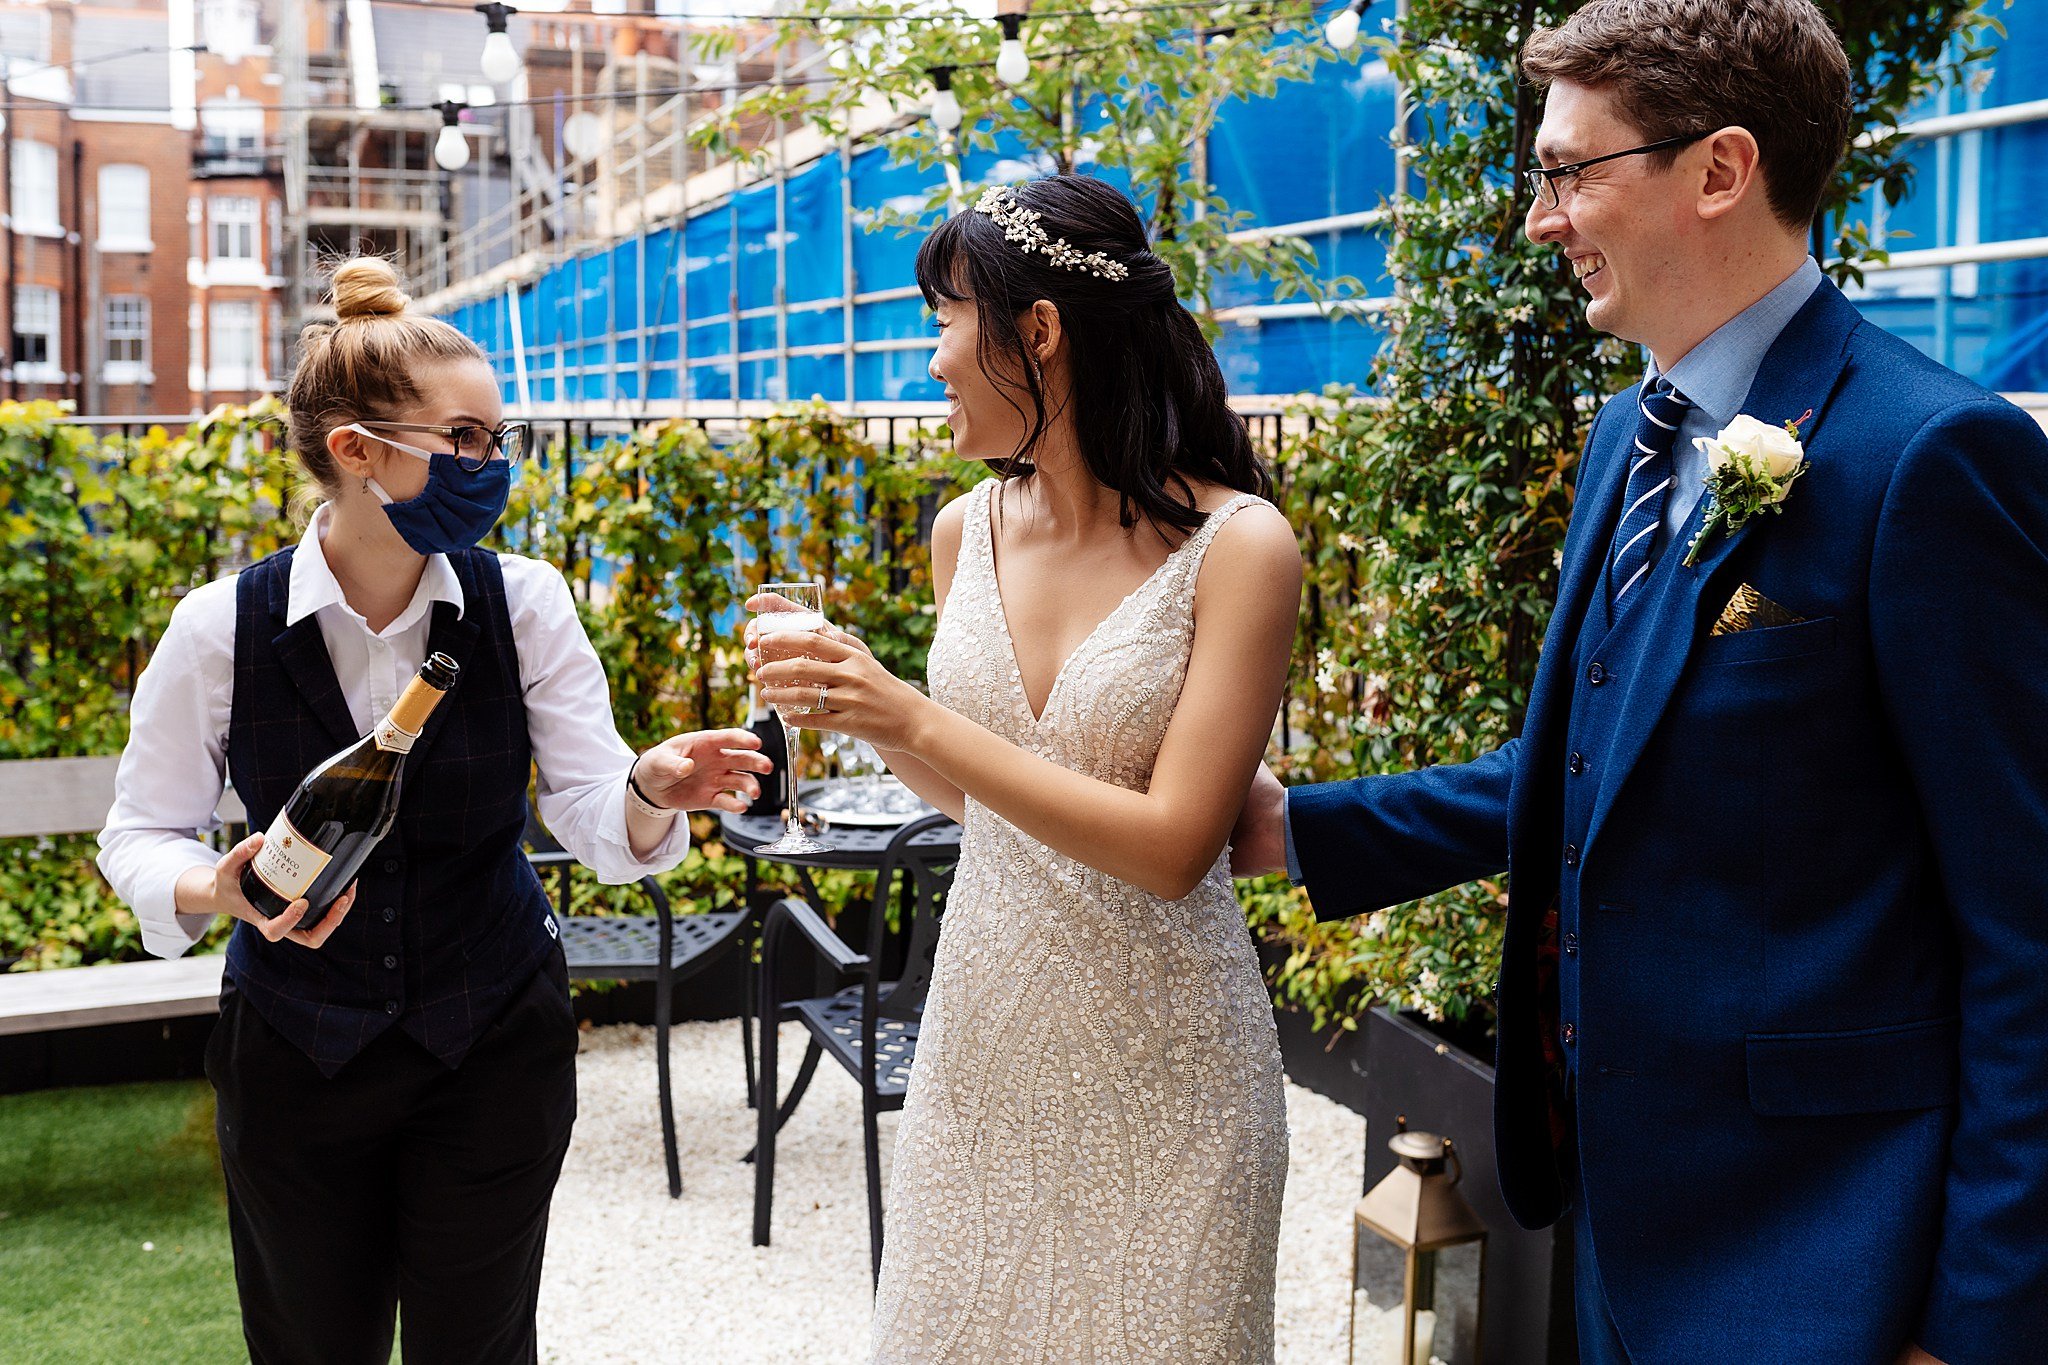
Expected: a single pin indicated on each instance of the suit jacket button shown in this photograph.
(1571, 855)
(1596, 675)
(1577, 763)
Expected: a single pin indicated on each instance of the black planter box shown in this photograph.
(1331, 1063)
(1441, 1088)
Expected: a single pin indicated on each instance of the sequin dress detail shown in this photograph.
(1090, 1159)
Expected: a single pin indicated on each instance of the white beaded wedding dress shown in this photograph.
(1093, 1144)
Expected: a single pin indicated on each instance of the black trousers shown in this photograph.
(397, 1183)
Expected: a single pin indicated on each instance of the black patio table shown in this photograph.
(856, 848)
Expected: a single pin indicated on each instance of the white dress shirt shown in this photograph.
(173, 770)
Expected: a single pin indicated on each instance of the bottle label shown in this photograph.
(288, 861)
(392, 739)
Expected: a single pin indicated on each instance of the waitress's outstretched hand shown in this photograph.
(218, 891)
(704, 770)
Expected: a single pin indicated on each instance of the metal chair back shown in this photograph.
(927, 876)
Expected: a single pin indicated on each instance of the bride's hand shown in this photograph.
(761, 601)
(862, 698)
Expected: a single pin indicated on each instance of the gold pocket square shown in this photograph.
(1749, 609)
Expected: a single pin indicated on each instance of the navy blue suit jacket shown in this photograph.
(1812, 1056)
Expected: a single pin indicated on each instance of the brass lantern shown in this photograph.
(1418, 1257)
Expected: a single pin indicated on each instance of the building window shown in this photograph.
(273, 349)
(236, 219)
(229, 26)
(127, 340)
(124, 209)
(36, 356)
(235, 347)
(232, 130)
(35, 189)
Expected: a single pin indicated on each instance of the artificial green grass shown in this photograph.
(87, 1176)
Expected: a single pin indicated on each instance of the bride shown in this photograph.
(1094, 1140)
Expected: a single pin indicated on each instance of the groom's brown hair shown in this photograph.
(1681, 67)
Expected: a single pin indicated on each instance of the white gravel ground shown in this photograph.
(635, 1278)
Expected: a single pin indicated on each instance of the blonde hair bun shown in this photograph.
(367, 287)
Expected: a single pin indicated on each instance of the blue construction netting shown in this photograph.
(693, 315)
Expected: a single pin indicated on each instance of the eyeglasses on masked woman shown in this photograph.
(474, 447)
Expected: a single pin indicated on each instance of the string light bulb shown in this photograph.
(1013, 64)
(451, 149)
(500, 61)
(1342, 30)
(945, 104)
(583, 134)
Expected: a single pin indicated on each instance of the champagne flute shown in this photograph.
(790, 607)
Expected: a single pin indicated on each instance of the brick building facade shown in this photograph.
(139, 270)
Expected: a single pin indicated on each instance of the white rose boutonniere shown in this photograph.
(1751, 467)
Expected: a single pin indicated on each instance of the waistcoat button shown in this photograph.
(1571, 855)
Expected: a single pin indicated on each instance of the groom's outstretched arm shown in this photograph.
(1379, 841)
(1959, 626)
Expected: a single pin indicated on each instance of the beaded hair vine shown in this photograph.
(1021, 225)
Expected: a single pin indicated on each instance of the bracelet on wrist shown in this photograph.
(639, 799)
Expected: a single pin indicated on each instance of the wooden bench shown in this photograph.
(65, 796)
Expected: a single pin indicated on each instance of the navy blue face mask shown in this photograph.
(456, 509)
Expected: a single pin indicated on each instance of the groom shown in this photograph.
(1774, 1000)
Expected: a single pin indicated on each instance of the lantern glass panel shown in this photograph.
(1446, 1303)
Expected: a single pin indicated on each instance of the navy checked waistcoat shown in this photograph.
(450, 920)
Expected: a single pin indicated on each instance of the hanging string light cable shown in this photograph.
(1266, 23)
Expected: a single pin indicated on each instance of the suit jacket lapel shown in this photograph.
(1585, 568)
(302, 653)
(1799, 374)
(1594, 513)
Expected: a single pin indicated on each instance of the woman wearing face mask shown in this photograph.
(395, 1085)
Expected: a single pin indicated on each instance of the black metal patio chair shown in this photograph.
(662, 947)
(868, 1027)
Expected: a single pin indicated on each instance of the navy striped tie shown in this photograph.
(1649, 485)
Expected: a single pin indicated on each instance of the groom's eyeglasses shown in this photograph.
(1553, 184)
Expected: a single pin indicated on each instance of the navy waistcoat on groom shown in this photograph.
(450, 920)
(1802, 945)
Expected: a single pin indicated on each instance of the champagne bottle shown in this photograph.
(328, 829)
(762, 723)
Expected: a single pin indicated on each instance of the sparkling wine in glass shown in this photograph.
(791, 607)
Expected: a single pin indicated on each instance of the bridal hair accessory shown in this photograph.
(1020, 225)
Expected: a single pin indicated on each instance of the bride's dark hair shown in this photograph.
(1148, 397)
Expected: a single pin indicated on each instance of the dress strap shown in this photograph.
(983, 526)
(1197, 545)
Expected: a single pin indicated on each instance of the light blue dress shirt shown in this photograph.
(1715, 376)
